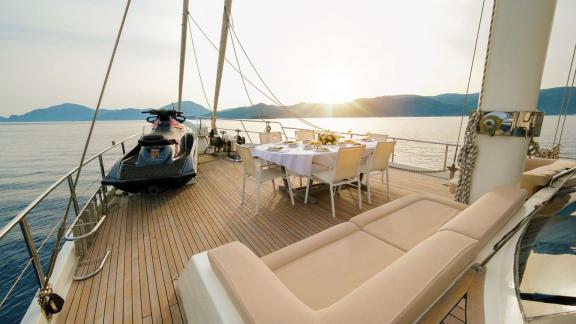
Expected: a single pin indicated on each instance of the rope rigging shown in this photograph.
(197, 64)
(469, 152)
(468, 83)
(564, 104)
(272, 97)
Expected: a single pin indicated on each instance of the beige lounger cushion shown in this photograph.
(404, 290)
(488, 214)
(256, 291)
(408, 221)
(324, 276)
(540, 172)
(352, 273)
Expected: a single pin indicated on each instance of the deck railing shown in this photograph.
(412, 155)
(89, 205)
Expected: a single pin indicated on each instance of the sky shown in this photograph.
(329, 51)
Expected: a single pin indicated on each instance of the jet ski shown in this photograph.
(163, 158)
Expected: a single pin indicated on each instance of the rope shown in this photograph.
(469, 151)
(198, 65)
(469, 80)
(276, 100)
(467, 159)
(563, 107)
(62, 228)
(269, 97)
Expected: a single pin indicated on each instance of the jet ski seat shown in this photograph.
(156, 140)
(387, 265)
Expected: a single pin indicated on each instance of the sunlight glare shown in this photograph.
(331, 88)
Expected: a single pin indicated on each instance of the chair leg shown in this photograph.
(387, 184)
(359, 193)
(274, 185)
(332, 189)
(243, 188)
(307, 190)
(368, 188)
(258, 196)
(289, 187)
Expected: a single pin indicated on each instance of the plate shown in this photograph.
(274, 148)
(322, 149)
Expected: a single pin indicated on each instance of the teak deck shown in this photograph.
(152, 238)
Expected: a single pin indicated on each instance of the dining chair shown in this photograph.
(261, 173)
(272, 137)
(346, 170)
(304, 135)
(378, 161)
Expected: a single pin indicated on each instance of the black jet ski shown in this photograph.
(162, 159)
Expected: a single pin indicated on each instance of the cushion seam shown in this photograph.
(380, 239)
(424, 198)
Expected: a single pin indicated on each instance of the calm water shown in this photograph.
(34, 155)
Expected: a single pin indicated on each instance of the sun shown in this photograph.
(331, 88)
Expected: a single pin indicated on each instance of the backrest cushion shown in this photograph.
(487, 215)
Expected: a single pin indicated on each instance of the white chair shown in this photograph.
(378, 161)
(272, 137)
(304, 135)
(346, 170)
(261, 173)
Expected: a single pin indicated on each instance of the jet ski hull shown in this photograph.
(150, 178)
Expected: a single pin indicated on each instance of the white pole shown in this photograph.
(182, 52)
(513, 72)
(221, 57)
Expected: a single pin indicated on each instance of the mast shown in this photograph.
(513, 71)
(221, 57)
(182, 52)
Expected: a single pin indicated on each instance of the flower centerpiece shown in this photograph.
(328, 138)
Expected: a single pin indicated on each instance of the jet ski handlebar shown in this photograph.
(163, 115)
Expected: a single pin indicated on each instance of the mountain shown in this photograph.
(448, 104)
(75, 112)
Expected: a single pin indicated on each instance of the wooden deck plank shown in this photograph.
(151, 238)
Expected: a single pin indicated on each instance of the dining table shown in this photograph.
(302, 160)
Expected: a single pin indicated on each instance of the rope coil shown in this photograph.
(467, 159)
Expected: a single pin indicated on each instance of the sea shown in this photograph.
(35, 155)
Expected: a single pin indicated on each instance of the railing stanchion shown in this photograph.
(246, 131)
(32, 251)
(104, 189)
(73, 195)
(445, 157)
(123, 148)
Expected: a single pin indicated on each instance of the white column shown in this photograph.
(514, 65)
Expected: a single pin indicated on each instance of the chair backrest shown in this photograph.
(348, 162)
(247, 160)
(272, 137)
(381, 156)
(304, 135)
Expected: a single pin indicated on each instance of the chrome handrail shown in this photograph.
(14, 221)
(21, 217)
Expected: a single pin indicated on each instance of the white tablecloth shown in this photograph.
(299, 160)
